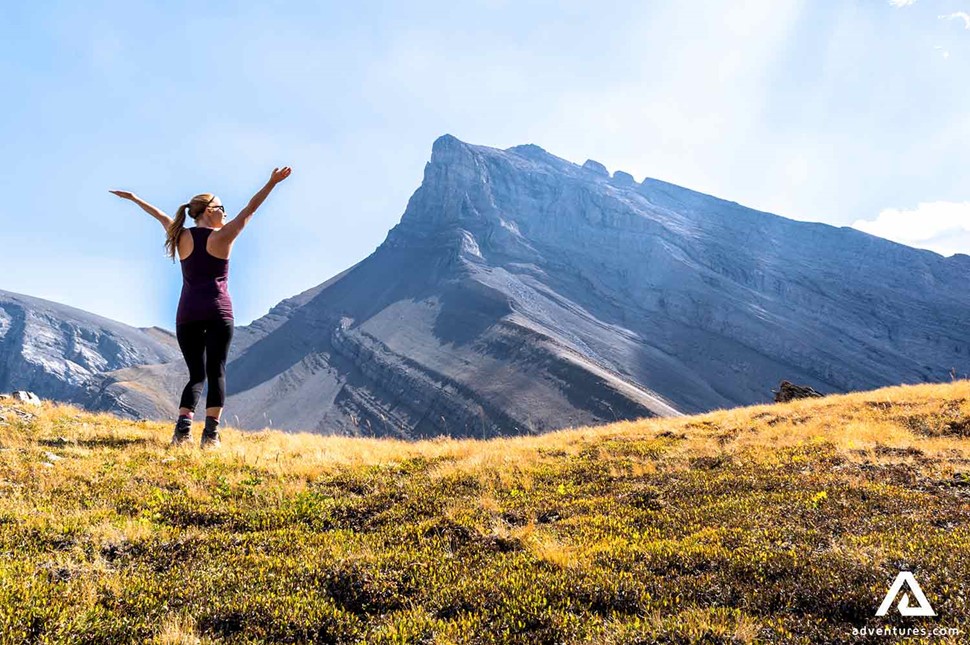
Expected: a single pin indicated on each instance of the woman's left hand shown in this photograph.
(124, 194)
(279, 174)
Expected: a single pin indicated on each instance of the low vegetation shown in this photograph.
(781, 523)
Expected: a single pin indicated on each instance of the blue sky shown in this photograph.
(848, 112)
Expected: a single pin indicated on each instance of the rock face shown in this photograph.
(521, 292)
(596, 167)
(623, 179)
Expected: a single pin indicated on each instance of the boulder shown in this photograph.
(788, 391)
(26, 397)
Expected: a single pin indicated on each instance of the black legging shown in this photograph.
(211, 337)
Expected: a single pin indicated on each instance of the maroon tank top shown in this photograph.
(205, 283)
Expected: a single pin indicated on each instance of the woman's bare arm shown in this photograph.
(162, 218)
(234, 227)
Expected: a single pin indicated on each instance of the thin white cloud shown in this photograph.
(943, 51)
(963, 15)
(943, 227)
(902, 3)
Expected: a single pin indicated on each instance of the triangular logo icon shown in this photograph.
(908, 579)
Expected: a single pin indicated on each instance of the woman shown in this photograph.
(204, 319)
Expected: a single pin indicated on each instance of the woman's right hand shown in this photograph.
(279, 174)
(124, 194)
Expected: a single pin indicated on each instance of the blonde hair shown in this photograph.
(194, 207)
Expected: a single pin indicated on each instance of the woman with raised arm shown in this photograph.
(204, 319)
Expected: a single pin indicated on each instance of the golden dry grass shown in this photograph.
(769, 523)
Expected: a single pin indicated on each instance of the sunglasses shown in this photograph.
(219, 206)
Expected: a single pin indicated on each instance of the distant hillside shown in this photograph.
(61, 352)
(767, 524)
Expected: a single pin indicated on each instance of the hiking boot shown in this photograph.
(210, 435)
(183, 431)
(210, 439)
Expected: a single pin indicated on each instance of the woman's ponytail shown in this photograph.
(174, 230)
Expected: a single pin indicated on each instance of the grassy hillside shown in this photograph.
(774, 523)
